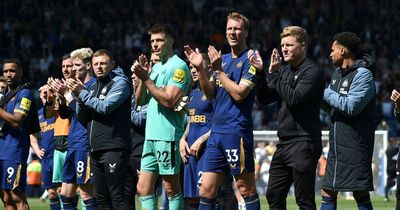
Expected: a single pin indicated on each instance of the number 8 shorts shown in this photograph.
(229, 153)
(76, 168)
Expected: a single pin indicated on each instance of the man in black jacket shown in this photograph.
(299, 85)
(106, 108)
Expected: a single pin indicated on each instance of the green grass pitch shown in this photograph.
(343, 204)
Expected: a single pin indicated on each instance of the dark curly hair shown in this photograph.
(351, 41)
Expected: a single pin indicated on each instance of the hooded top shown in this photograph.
(105, 106)
(351, 97)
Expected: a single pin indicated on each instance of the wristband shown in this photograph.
(68, 97)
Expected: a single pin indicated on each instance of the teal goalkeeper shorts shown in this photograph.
(58, 165)
(161, 157)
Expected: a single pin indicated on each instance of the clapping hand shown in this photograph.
(141, 67)
(275, 61)
(194, 57)
(215, 58)
(57, 85)
(395, 97)
(76, 86)
(255, 59)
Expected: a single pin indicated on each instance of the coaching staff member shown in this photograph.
(299, 84)
(106, 108)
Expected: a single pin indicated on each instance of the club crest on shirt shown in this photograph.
(239, 65)
(203, 98)
(103, 93)
(104, 90)
(345, 83)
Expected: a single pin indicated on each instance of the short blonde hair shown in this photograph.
(84, 54)
(239, 17)
(298, 32)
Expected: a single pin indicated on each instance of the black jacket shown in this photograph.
(300, 90)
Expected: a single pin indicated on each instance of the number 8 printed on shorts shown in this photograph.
(80, 166)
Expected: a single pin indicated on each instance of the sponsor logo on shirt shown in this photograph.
(112, 167)
(252, 70)
(198, 119)
(179, 76)
(25, 104)
(343, 91)
(218, 83)
(44, 127)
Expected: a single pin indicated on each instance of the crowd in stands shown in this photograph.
(40, 32)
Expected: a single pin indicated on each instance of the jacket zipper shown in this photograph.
(91, 123)
(334, 143)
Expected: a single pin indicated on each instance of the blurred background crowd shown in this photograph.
(39, 32)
